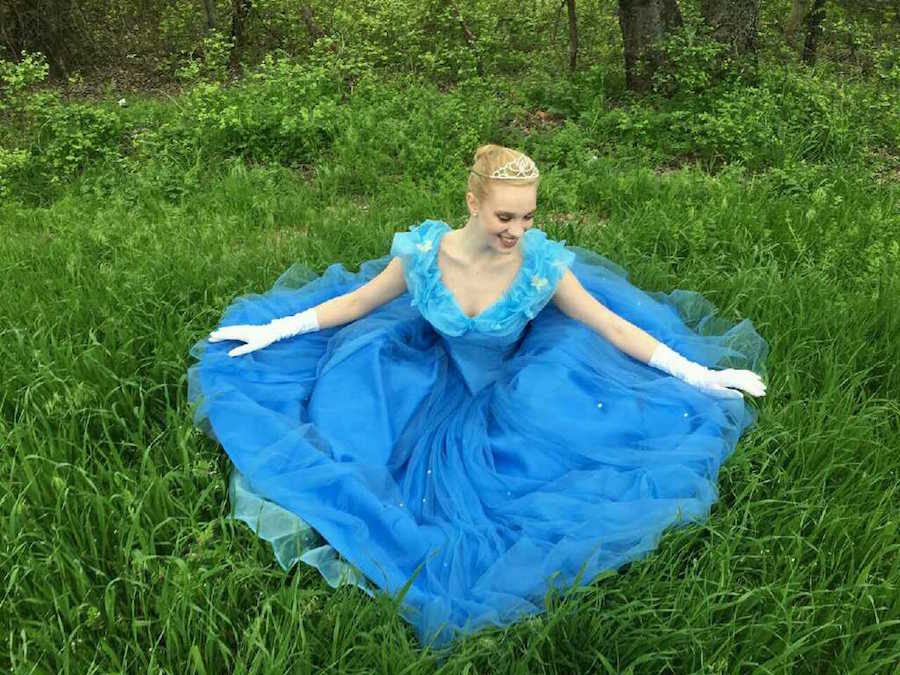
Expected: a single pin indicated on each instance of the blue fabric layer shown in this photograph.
(486, 459)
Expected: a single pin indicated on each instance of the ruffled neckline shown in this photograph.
(531, 288)
(510, 289)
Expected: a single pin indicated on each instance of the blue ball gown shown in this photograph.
(484, 458)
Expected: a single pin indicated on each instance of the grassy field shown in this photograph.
(117, 553)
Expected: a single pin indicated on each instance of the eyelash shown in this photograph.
(506, 220)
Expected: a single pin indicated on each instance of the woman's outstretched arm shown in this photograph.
(385, 286)
(575, 301)
(382, 288)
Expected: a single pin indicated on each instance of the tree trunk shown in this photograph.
(734, 22)
(799, 8)
(573, 35)
(642, 23)
(467, 32)
(239, 11)
(813, 23)
(315, 32)
(210, 7)
(49, 28)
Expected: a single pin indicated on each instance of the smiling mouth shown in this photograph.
(505, 238)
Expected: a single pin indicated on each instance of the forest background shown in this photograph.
(159, 158)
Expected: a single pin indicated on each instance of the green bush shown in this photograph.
(283, 112)
(789, 113)
(71, 135)
(211, 64)
(693, 62)
(47, 141)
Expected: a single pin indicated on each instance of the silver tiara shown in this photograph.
(520, 167)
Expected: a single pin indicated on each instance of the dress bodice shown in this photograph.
(479, 345)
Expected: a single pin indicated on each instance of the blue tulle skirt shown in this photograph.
(359, 450)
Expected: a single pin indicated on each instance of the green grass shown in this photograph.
(117, 554)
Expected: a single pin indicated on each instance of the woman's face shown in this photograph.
(505, 213)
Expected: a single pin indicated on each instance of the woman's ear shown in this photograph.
(472, 201)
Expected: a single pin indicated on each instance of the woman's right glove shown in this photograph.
(723, 383)
(259, 336)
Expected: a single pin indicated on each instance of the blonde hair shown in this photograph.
(489, 157)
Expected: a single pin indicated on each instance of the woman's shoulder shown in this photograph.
(426, 227)
(418, 239)
(546, 251)
(546, 262)
(420, 231)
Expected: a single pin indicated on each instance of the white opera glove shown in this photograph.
(723, 383)
(259, 336)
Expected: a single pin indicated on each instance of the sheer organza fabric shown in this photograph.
(484, 458)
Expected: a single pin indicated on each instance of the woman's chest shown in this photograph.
(475, 291)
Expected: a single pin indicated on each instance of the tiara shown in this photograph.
(520, 167)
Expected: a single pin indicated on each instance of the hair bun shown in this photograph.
(493, 161)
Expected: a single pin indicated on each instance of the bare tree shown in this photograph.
(52, 27)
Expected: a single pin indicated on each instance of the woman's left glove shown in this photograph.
(259, 336)
(723, 383)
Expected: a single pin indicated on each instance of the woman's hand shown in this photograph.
(258, 337)
(727, 383)
(730, 382)
(255, 337)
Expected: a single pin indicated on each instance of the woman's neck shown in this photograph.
(471, 245)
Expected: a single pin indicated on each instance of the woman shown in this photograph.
(485, 411)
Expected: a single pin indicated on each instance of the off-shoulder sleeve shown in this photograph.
(415, 248)
(403, 244)
(558, 258)
(412, 244)
(552, 259)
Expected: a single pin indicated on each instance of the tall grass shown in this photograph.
(117, 555)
